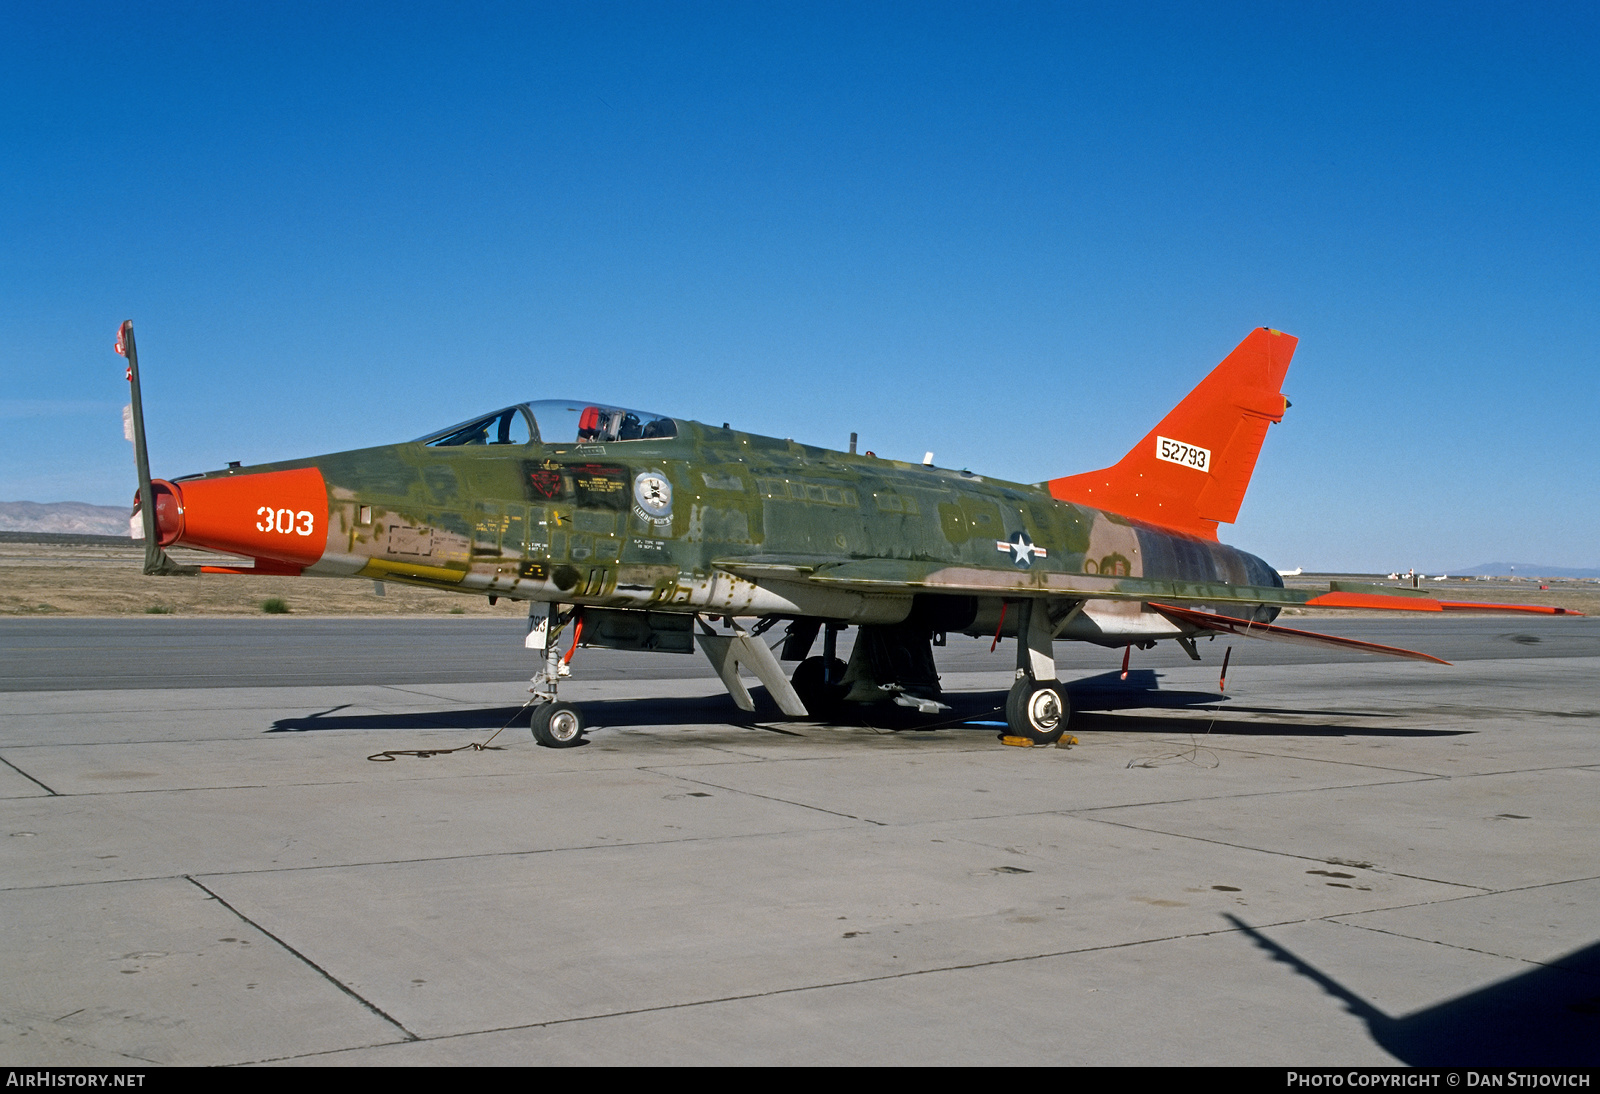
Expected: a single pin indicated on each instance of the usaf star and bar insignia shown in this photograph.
(1021, 548)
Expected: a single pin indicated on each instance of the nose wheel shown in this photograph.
(1037, 711)
(557, 725)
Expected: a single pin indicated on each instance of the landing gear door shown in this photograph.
(538, 627)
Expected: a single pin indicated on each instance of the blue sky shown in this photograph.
(1015, 234)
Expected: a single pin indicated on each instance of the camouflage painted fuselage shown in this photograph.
(724, 522)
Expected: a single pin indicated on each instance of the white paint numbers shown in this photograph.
(285, 521)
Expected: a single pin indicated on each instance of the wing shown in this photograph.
(889, 575)
(1244, 628)
(1190, 606)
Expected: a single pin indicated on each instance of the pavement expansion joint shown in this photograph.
(48, 790)
(1439, 942)
(783, 801)
(1484, 890)
(422, 690)
(318, 969)
(367, 863)
(1204, 799)
(1516, 771)
(1479, 889)
(1548, 884)
(264, 1060)
(795, 989)
(1421, 775)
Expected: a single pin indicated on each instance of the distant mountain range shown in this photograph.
(70, 517)
(1522, 569)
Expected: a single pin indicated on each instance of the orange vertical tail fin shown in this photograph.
(1190, 472)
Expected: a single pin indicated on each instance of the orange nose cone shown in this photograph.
(279, 515)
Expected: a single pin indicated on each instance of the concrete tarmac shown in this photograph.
(1340, 862)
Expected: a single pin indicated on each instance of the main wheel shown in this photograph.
(821, 699)
(557, 725)
(1038, 712)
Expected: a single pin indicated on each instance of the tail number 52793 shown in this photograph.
(1187, 454)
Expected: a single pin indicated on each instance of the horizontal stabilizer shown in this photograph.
(1245, 629)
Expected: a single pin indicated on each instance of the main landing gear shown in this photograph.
(891, 662)
(819, 681)
(1037, 707)
(555, 724)
(1037, 711)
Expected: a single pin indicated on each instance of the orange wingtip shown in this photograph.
(1375, 600)
(1424, 604)
(1537, 609)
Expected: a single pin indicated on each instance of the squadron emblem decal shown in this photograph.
(544, 482)
(652, 497)
(1021, 548)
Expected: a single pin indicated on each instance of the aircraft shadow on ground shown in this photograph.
(1091, 698)
(610, 713)
(1548, 1016)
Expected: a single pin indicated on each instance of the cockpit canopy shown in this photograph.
(556, 421)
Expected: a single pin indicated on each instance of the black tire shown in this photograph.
(1039, 712)
(557, 725)
(821, 700)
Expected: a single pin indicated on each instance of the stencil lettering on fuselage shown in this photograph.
(406, 539)
(1113, 550)
(600, 486)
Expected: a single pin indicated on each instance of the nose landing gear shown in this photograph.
(555, 724)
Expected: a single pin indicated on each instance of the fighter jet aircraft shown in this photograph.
(636, 530)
